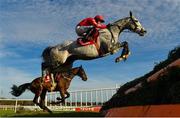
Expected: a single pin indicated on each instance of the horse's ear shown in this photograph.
(81, 66)
(130, 13)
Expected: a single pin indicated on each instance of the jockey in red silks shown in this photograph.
(86, 26)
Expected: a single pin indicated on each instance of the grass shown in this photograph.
(6, 113)
(22, 113)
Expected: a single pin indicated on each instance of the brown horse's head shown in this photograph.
(81, 73)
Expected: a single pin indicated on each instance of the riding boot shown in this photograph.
(53, 83)
(44, 70)
(88, 35)
(43, 76)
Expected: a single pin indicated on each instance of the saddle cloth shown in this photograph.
(47, 79)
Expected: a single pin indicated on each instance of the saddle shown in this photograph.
(47, 79)
(57, 77)
(50, 83)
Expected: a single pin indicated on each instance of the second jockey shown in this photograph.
(85, 27)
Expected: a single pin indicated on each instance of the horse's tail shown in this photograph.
(46, 54)
(18, 90)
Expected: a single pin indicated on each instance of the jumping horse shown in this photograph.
(63, 55)
(63, 80)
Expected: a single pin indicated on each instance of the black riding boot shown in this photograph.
(88, 34)
(44, 70)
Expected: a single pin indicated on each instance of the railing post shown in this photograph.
(15, 109)
(91, 99)
(86, 99)
(96, 98)
(76, 99)
(81, 98)
(101, 97)
(71, 98)
(107, 96)
(117, 87)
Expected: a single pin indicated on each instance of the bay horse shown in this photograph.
(63, 80)
(63, 55)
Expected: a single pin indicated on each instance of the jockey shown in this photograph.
(48, 75)
(85, 27)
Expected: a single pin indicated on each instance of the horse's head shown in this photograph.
(82, 73)
(135, 26)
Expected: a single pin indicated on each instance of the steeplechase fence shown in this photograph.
(78, 100)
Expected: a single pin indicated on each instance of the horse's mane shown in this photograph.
(121, 19)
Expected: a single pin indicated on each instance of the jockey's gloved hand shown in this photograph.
(109, 24)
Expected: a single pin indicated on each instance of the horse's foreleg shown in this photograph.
(125, 52)
(59, 56)
(67, 95)
(62, 99)
(115, 48)
(62, 93)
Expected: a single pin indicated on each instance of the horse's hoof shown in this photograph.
(58, 98)
(50, 112)
(118, 59)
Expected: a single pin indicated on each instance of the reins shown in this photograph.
(127, 31)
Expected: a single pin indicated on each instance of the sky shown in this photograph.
(27, 27)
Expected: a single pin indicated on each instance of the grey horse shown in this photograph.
(63, 55)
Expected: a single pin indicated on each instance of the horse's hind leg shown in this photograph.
(59, 56)
(37, 92)
(35, 100)
(42, 101)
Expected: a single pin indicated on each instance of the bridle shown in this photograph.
(81, 72)
(134, 24)
(134, 30)
(128, 31)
